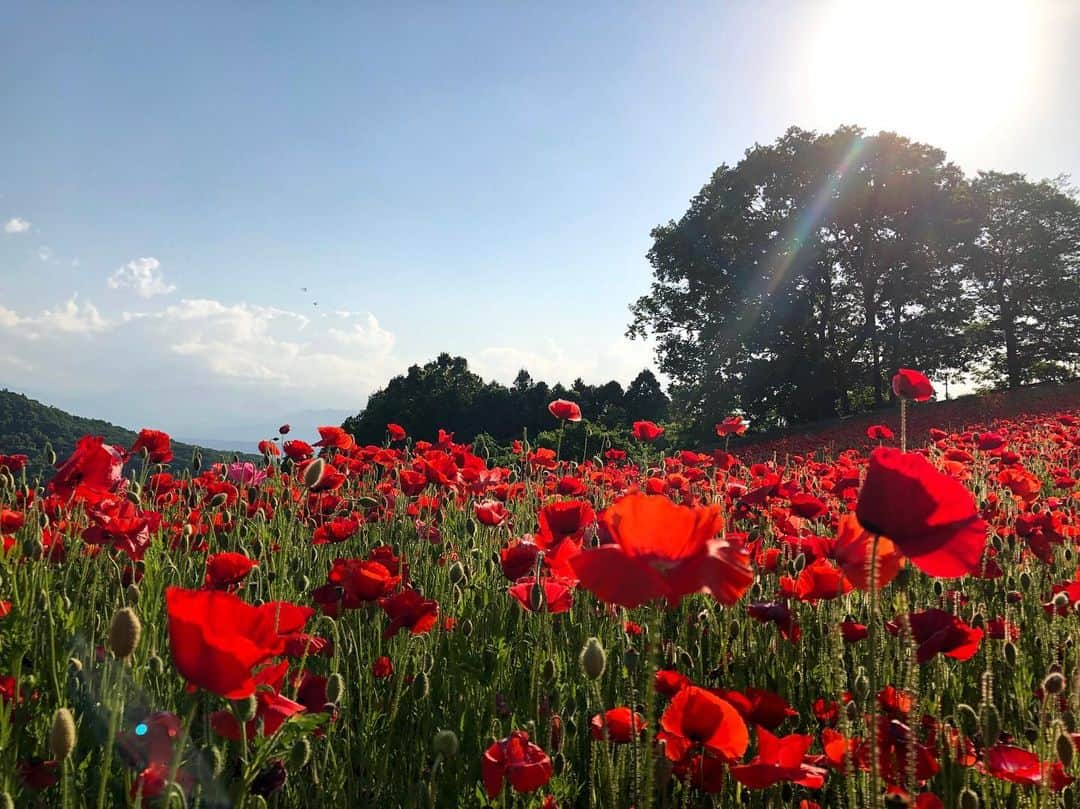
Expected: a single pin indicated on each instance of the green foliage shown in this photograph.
(800, 278)
(28, 427)
(445, 394)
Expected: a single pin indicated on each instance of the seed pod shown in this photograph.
(62, 738)
(593, 659)
(124, 633)
(156, 665)
(968, 800)
(446, 744)
(335, 688)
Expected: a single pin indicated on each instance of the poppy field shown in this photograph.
(888, 617)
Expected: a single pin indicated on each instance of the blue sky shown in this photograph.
(472, 178)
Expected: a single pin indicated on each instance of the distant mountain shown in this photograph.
(28, 426)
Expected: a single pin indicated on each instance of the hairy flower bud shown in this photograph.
(446, 743)
(124, 633)
(314, 472)
(593, 659)
(62, 738)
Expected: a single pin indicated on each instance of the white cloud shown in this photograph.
(16, 225)
(368, 335)
(71, 318)
(45, 253)
(142, 275)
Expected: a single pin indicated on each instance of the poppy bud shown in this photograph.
(967, 718)
(32, 548)
(299, 755)
(124, 633)
(548, 671)
(218, 500)
(861, 687)
(314, 472)
(1061, 600)
(1067, 554)
(969, 800)
(420, 686)
(156, 665)
(50, 454)
(1069, 718)
(1054, 683)
(631, 659)
(456, 573)
(798, 563)
(196, 461)
(467, 628)
(6, 801)
(1031, 733)
(1025, 580)
(592, 659)
(851, 711)
(990, 721)
(335, 688)
(1009, 651)
(446, 744)
(245, 709)
(1065, 749)
(75, 665)
(939, 588)
(62, 737)
(132, 594)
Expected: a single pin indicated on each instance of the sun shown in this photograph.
(948, 69)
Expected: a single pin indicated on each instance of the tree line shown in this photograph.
(445, 394)
(801, 277)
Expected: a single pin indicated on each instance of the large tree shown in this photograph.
(801, 276)
(1025, 272)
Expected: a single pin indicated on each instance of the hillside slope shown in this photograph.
(28, 426)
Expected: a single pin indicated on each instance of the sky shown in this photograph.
(215, 219)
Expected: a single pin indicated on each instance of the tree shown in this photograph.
(801, 277)
(1025, 273)
(645, 398)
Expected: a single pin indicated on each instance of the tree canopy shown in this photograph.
(800, 278)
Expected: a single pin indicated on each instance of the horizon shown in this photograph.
(203, 213)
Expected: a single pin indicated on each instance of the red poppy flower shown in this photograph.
(930, 516)
(362, 580)
(408, 610)
(519, 761)
(339, 529)
(491, 513)
(298, 450)
(779, 759)
(94, 468)
(269, 448)
(565, 410)
(216, 640)
(334, 438)
(224, 570)
(698, 719)
(396, 432)
(647, 431)
(758, 705)
(11, 521)
(157, 444)
(556, 597)
(1019, 766)
(668, 683)
(821, 580)
(661, 550)
(808, 506)
(853, 632)
(852, 552)
(909, 384)
(937, 631)
(732, 425)
(779, 614)
(879, 432)
(563, 519)
(382, 668)
(273, 709)
(618, 726)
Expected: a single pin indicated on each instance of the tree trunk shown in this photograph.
(1012, 355)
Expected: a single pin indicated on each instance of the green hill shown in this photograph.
(27, 427)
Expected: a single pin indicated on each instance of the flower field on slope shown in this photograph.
(413, 625)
